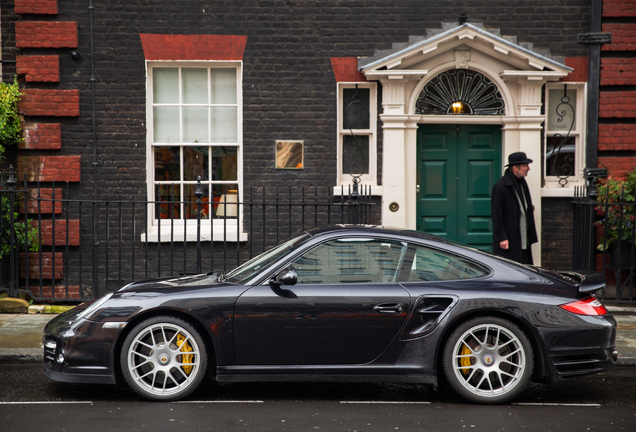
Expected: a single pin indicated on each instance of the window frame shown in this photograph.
(344, 181)
(179, 230)
(551, 185)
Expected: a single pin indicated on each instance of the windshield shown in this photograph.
(246, 271)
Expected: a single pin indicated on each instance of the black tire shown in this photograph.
(164, 358)
(488, 360)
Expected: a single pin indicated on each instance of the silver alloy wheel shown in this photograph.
(163, 360)
(489, 360)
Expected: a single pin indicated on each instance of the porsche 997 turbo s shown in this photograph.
(343, 303)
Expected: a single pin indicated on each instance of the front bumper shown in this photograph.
(79, 352)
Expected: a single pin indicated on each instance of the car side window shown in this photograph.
(351, 260)
(426, 264)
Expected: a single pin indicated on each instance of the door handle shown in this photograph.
(417, 188)
(389, 308)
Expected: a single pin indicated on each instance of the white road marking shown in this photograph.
(557, 404)
(386, 402)
(221, 402)
(45, 402)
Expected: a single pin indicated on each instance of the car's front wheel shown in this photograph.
(163, 358)
(488, 360)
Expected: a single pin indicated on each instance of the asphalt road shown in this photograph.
(29, 401)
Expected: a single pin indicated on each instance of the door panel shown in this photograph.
(316, 324)
(437, 169)
(471, 156)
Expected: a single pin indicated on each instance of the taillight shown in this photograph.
(587, 306)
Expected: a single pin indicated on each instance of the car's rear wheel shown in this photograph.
(164, 358)
(488, 360)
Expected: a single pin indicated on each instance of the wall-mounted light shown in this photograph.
(75, 55)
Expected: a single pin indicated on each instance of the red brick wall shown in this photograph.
(46, 267)
(60, 292)
(617, 104)
(623, 37)
(39, 7)
(617, 166)
(39, 102)
(616, 137)
(46, 232)
(45, 34)
(193, 47)
(619, 8)
(617, 111)
(45, 205)
(345, 69)
(42, 136)
(50, 168)
(39, 68)
(618, 71)
(579, 64)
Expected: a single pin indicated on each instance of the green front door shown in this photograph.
(457, 166)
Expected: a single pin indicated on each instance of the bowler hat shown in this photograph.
(518, 158)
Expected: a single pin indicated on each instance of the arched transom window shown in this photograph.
(460, 92)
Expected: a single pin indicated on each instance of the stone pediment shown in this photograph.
(462, 44)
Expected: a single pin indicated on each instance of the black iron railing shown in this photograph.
(604, 239)
(82, 247)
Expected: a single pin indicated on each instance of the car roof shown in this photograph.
(373, 229)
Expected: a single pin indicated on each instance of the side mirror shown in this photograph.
(287, 276)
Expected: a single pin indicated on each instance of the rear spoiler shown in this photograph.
(588, 283)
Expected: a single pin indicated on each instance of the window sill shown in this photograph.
(345, 188)
(229, 235)
(558, 192)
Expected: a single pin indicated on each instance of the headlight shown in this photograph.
(92, 308)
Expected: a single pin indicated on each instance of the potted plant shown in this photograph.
(616, 203)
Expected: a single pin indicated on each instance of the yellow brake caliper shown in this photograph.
(185, 358)
(465, 362)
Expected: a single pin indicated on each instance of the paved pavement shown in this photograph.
(20, 336)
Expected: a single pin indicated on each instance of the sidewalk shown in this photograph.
(20, 335)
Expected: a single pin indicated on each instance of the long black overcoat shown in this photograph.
(506, 216)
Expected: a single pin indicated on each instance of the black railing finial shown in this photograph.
(11, 181)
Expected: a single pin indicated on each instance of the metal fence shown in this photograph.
(81, 247)
(603, 239)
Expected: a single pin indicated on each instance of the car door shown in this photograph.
(346, 307)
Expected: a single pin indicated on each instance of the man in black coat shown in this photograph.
(514, 230)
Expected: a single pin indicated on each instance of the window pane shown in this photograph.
(168, 198)
(223, 86)
(355, 154)
(167, 164)
(195, 163)
(224, 128)
(225, 197)
(560, 156)
(195, 124)
(195, 85)
(192, 207)
(561, 109)
(224, 163)
(432, 265)
(166, 124)
(357, 260)
(355, 109)
(165, 85)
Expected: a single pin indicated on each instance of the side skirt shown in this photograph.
(359, 374)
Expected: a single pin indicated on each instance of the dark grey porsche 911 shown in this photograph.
(343, 303)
